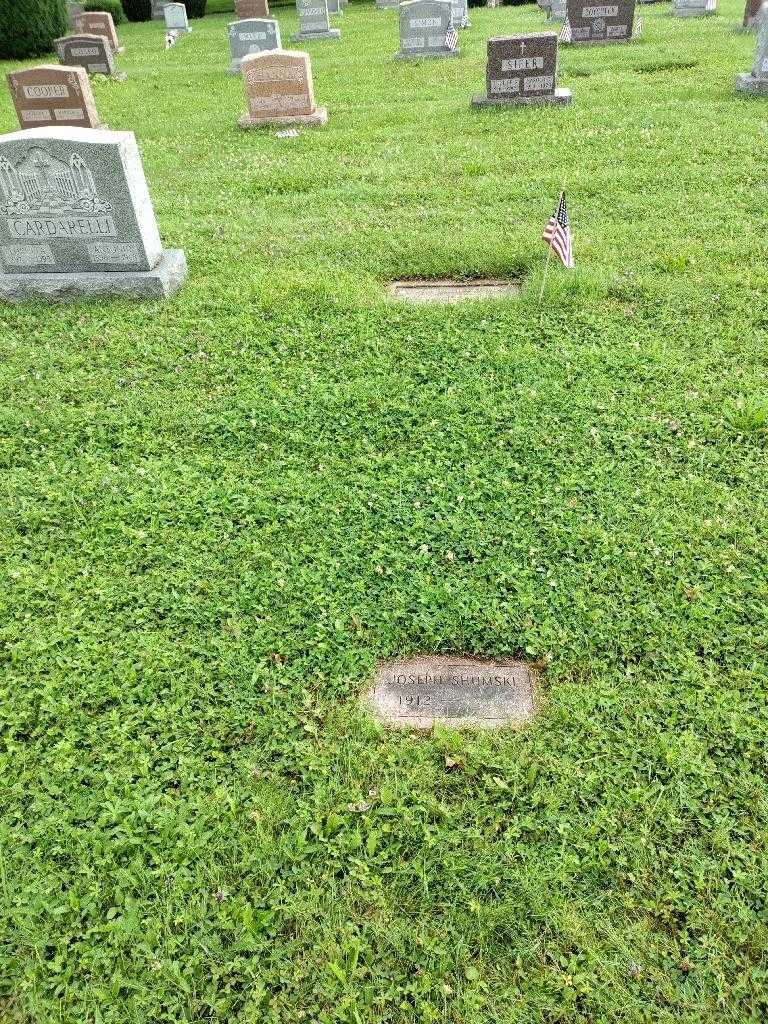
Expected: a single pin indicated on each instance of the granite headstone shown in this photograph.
(314, 22)
(756, 83)
(751, 14)
(424, 29)
(90, 52)
(251, 35)
(247, 9)
(557, 10)
(693, 8)
(73, 9)
(387, 5)
(460, 13)
(53, 95)
(98, 23)
(279, 90)
(158, 6)
(176, 19)
(522, 71)
(76, 218)
(592, 22)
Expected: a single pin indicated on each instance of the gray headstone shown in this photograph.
(751, 14)
(387, 5)
(334, 6)
(314, 22)
(76, 217)
(600, 22)
(458, 692)
(460, 13)
(522, 71)
(73, 11)
(693, 8)
(158, 6)
(175, 16)
(424, 28)
(557, 10)
(251, 35)
(90, 52)
(756, 83)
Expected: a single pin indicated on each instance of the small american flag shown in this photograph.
(565, 32)
(452, 38)
(557, 233)
(638, 28)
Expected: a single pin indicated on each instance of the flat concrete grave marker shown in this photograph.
(314, 22)
(424, 30)
(448, 292)
(251, 35)
(592, 22)
(522, 71)
(158, 6)
(247, 9)
(756, 83)
(176, 20)
(98, 23)
(90, 52)
(693, 8)
(53, 95)
(278, 90)
(751, 15)
(76, 219)
(422, 692)
(73, 9)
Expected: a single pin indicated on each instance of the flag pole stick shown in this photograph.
(546, 271)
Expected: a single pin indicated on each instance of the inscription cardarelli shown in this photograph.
(458, 692)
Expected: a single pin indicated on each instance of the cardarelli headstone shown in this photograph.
(424, 30)
(522, 71)
(751, 14)
(592, 22)
(176, 20)
(756, 83)
(90, 52)
(251, 35)
(76, 219)
(53, 95)
(314, 22)
(421, 692)
(251, 9)
(693, 8)
(98, 23)
(278, 90)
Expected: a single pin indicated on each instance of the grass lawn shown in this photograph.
(223, 509)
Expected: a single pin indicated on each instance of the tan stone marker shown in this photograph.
(278, 90)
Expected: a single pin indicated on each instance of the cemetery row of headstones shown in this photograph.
(76, 218)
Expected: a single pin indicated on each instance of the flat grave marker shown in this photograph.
(522, 71)
(314, 22)
(76, 218)
(98, 23)
(251, 35)
(756, 83)
(422, 692)
(53, 95)
(90, 52)
(426, 27)
(592, 22)
(279, 90)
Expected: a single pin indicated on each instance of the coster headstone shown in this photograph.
(98, 23)
(73, 9)
(522, 71)
(751, 14)
(278, 90)
(176, 20)
(90, 52)
(756, 83)
(425, 30)
(693, 8)
(314, 22)
(76, 219)
(251, 35)
(460, 13)
(246, 9)
(158, 6)
(53, 95)
(592, 22)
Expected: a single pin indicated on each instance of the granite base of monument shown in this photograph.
(561, 98)
(318, 116)
(752, 86)
(158, 283)
(307, 37)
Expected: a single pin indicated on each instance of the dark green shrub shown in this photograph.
(138, 10)
(195, 8)
(29, 27)
(113, 7)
